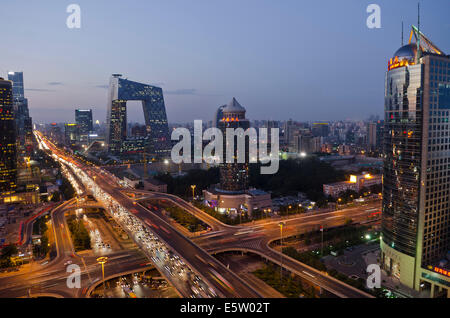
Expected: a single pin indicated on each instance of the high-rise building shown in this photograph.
(269, 124)
(306, 144)
(379, 135)
(21, 113)
(371, 136)
(18, 88)
(83, 119)
(71, 133)
(320, 129)
(233, 194)
(416, 180)
(28, 127)
(289, 129)
(218, 116)
(8, 160)
(55, 133)
(120, 91)
(234, 176)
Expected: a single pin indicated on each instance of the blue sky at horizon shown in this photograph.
(305, 60)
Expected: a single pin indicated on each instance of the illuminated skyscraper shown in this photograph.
(18, 89)
(416, 182)
(233, 176)
(218, 116)
(21, 112)
(71, 133)
(8, 160)
(233, 195)
(120, 91)
(371, 136)
(83, 120)
(320, 129)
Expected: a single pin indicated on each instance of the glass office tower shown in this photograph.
(416, 179)
(218, 116)
(8, 160)
(18, 89)
(120, 91)
(71, 134)
(21, 112)
(83, 119)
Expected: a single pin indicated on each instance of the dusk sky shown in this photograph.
(305, 60)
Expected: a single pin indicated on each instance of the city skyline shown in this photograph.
(245, 150)
(277, 61)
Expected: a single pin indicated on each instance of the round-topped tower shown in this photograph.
(407, 51)
(233, 176)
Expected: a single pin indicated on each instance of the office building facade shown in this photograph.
(371, 136)
(416, 180)
(120, 91)
(218, 116)
(83, 120)
(21, 113)
(232, 195)
(234, 176)
(71, 133)
(320, 129)
(8, 160)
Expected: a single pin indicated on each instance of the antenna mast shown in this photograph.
(418, 33)
(402, 33)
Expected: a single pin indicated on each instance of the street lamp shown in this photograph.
(102, 260)
(166, 163)
(281, 224)
(321, 230)
(193, 186)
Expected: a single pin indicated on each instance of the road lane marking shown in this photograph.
(333, 217)
(309, 274)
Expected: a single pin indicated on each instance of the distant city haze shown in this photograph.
(306, 60)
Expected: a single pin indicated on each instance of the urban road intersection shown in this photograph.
(50, 279)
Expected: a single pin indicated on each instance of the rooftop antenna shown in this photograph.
(418, 32)
(402, 33)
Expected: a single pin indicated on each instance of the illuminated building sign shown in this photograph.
(396, 63)
(230, 119)
(441, 271)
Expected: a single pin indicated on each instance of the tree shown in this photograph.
(80, 236)
(348, 196)
(140, 185)
(8, 251)
(56, 197)
(182, 185)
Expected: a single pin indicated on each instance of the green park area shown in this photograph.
(80, 236)
(183, 218)
(291, 286)
(40, 228)
(337, 240)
